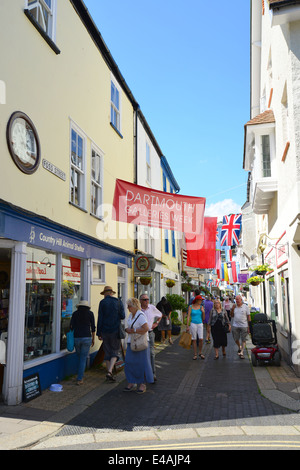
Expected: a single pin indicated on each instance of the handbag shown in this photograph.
(121, 332)
(70, 341)
(138, 342)
(227, 327)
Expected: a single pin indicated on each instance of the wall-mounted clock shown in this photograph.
(23, 142)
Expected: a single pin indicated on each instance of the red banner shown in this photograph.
(201, 249)
(145, 206)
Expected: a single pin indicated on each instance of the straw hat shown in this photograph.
(83, 303)
(107, 289)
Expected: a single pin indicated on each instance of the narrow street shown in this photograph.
(200, 404)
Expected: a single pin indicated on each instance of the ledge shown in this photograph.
(42, 32)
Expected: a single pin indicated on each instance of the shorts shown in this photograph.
(111, 345)
(239, 333)
(196, 329)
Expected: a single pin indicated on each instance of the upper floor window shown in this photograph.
(77, 184)
(266, 156)
(44, 12)
(148, 163)
(96, 183)
(115, 112)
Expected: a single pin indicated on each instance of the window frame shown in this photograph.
(148, 163)
(113, 107)
(95, 184)
(48, 29)
(102, 279)
(80, 171)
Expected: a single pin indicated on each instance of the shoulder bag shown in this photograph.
(138, 342)
(70, 341)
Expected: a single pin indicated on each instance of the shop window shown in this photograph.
(70, 293)
(40, 304)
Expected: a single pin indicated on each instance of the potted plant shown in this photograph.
(145, 280)
(255, 280)
(185, 287)
(176, 323)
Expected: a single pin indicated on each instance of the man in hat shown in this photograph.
(110, 313)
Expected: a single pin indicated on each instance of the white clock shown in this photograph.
(23, 142)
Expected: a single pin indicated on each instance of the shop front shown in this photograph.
(45, 269)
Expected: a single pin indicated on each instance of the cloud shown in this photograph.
(225, 207)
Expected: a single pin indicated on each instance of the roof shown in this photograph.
(282, 3)
(264, 118)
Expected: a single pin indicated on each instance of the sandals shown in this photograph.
(110, 377)
(201, 356)
(129, 389)
(195, 357)
(141, 390)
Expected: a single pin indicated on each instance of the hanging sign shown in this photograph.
(145, 206)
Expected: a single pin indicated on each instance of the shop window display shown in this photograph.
(40, 304)
(70, 294)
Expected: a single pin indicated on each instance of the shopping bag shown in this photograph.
(70, 341)
(185, 340)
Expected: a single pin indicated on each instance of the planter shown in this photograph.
(170, 283)
(176, 330)
(145, 280)
(255, 283)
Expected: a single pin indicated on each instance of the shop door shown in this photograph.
(5, 266)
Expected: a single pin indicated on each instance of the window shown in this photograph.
(98, 272)
(96, 184)
(115, 107)
(166, 241)
(40, 304)
(266, 156)
(173, 244)
(42, 14)
(70, 294)
(77, 189)
(148, 163)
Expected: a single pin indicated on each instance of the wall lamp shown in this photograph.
(48, 264)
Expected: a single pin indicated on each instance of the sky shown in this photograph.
(188, 66)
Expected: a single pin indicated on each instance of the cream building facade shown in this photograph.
(271, 156)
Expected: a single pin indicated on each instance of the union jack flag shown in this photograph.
(231, 229)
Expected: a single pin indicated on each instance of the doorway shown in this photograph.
(5, 269)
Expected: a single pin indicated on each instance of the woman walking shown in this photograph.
(196, 315)
(138, 368)
(83, 324)
(218, 321)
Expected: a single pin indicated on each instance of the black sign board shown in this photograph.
(31, 387)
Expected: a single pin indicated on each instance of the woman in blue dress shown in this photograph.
(138, 368)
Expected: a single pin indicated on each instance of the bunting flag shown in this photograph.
(201, 249)
(231, 229)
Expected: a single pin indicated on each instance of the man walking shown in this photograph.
(240, 325)
(110, 313)
(153, 316)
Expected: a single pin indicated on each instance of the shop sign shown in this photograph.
(31, 387)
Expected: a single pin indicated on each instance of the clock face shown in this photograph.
(23, 142)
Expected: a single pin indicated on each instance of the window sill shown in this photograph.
(41, 31)
(78, 207)
(98, 217)
(117, 131)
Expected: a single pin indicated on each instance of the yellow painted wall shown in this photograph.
(51, 89)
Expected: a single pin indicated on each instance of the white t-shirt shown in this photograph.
(240, 319)
(140, 321)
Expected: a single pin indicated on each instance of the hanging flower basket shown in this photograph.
(261, 268)
(145, 280)
(170, 283)
(255, 280)
(185, 287)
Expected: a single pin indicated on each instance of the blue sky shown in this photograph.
(188, 66)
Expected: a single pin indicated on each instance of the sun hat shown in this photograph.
(198, 297)
(83, 303)
(107, 289)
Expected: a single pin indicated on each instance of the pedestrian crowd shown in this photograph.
(210, 316)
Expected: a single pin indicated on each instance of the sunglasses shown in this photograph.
(145, 299)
